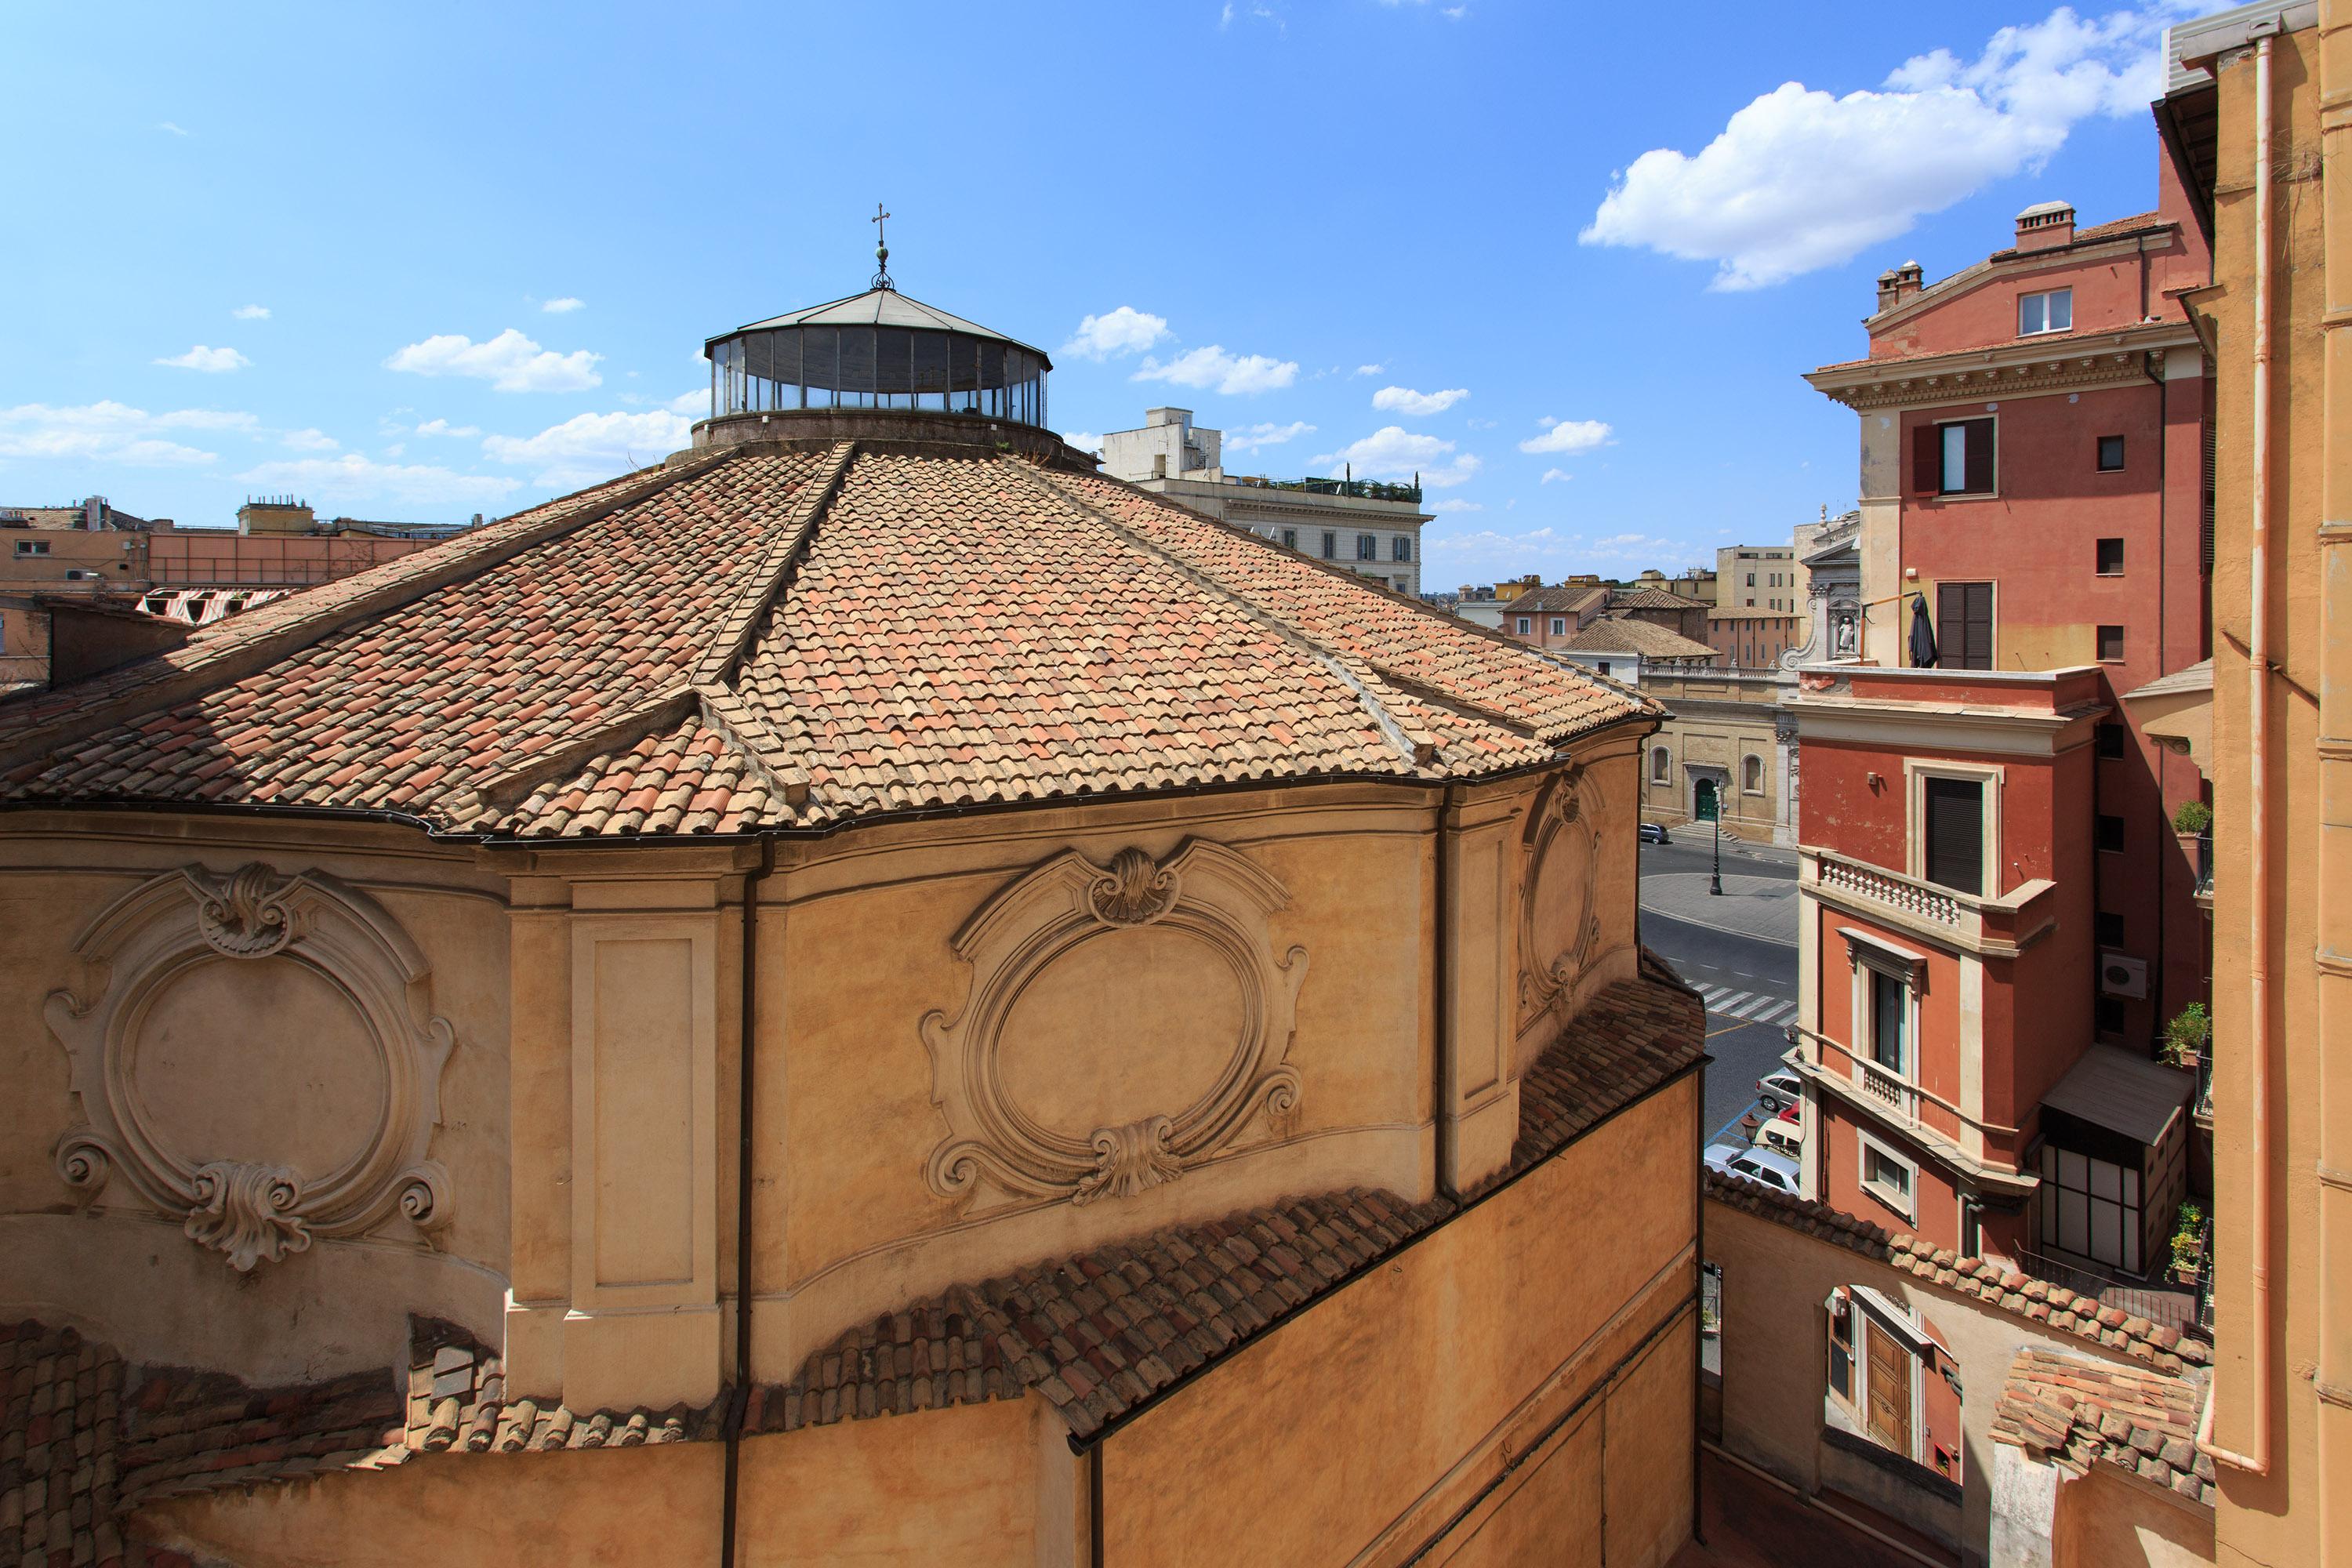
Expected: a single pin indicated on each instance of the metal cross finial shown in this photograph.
(881, 250)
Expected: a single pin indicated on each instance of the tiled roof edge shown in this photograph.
(502, 792)
(247, 644)
(766, 581)
(2023, 1297)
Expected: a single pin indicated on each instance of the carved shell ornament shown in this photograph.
(327, 941)
(1562, 842)
(1208, 904)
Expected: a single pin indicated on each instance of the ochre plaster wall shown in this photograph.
(2103, 1519)
(125, 1272)
(1466, 1348)
(955, 1485)
(1775, 1348)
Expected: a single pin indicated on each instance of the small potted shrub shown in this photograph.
(2186, 1037)
(2194, 819)
(2188, 1243)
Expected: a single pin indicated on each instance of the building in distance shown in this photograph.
(1368, 527)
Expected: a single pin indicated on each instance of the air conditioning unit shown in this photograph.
(2123, 976)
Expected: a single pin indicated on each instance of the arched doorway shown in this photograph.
(1702, 800)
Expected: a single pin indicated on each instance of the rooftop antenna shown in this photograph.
(881, 251)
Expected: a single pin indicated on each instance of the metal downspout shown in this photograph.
(2332, 960)
(2258, 845)
(1441, 1140)
(739, 1375)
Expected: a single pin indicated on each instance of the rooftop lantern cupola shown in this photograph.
(878, 349)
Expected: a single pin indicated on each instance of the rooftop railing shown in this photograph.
(1360, 489)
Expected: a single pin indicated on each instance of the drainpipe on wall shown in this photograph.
(2258, 849)
(739, 1378)
(1442, 1032)
(2331, 956)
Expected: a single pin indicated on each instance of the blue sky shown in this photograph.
(424, 261)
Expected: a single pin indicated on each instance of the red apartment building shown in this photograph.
(1998, 918)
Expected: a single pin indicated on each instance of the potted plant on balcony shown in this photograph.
(2186, 1037)
(2187, 1244)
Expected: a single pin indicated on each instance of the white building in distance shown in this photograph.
(1370, 528)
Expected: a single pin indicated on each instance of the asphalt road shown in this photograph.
(1751, 983)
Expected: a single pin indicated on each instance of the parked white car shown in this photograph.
(1781, 1137)
(1780, 1090)
(1775, 1171)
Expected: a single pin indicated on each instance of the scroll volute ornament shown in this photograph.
(251, 1207)
(1560, 918)
(1212, 904)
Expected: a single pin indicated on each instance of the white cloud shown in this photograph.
(1394, 453)
(509, 362)
(1254, 438)
(311, 440)
(167, 125)
(205, 359)
(1126, 331)
(1455, 504)
(1234, 375)
(397, 450)
(1799, 180)
(251, 312)
(563, 307)
(110, 432)
(1536, 542)
(1369, 369)
(443, 427)
(351, 478)
(1414, 404)
(1084, 441)
(1560, 474)
(693, 405)
(590, 446)
(1567, 435)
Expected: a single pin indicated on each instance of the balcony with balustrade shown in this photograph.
(1986, 926)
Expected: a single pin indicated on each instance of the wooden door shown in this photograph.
(1890, 1391)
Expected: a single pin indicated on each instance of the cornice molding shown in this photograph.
(2123, 358)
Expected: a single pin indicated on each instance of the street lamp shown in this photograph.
(1711, 808)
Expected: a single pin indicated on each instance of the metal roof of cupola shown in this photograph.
(876, 352)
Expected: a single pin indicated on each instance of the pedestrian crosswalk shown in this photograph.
(1748, 1007)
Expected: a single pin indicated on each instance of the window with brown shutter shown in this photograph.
(1953, 820)
(1979, 467)
(1964, 625)
(1928, 460)
(1954, 458)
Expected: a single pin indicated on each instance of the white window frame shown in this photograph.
(1870, 1311)
(2045, 296)
(1915, 774)
(1560, 626)
(1942, 494)
(1525, 624)
(1907, 1204)
(1869, 954)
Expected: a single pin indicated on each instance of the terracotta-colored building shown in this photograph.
(1550, 617)
(1753, 639)
(629, 1036)
(2034, 431)
(1955, 1088)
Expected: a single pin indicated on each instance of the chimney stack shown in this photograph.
(2044, 226)
(1899, 284)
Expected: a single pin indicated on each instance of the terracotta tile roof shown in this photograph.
(2076, 1412)
(2054, 1307)
(780, 637)
(1651, 640)
(85, 1438)
(1651, 599)
(1628, 1039)
(2115, 229)
(1555, 600)
(1100, 1333)
(457, 1402)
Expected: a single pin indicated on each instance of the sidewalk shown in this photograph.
(1763, 906)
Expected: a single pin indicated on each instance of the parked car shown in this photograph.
(1780, 1088)
(1654, 833)
(1783, 1135)
(1775, 1171)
